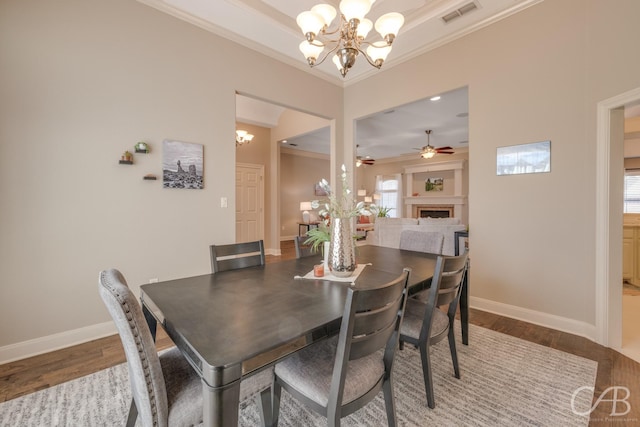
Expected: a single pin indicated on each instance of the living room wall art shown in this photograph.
(524, 158)
(433, 184)
(182, 165)
(319, 191)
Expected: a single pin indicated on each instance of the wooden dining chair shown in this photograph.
(302, 249)
(422, 241)
(166, 389)
(425, 324)
(340, 375)
(236, 255)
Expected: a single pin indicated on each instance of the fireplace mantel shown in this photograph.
(457, 199)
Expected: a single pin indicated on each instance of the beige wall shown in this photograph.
(298, 176)
(81, 82)
(535, 76)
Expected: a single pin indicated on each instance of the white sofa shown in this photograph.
(387, 231)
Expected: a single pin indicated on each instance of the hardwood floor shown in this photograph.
(614, 370)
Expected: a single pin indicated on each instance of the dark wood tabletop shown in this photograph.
(222, 320)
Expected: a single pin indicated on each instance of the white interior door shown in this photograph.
(249, 202)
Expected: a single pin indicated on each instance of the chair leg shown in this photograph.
(276, 391)
(266, 407)
(389, 402)
(454, 353)
(426, 372)
(133, 414)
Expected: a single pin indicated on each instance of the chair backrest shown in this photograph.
(302, 249)
(145, 372)
(422, 241)
(445, 287)
(236, 255)
(370, 322)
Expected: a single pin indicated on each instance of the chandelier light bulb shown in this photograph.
(364, 27)
(389, 24)
(326, 12)
(355, 9)
(378, 52)
(310, 23)
(310, 51)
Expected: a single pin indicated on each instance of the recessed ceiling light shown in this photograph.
(435, 98)
(284, 141)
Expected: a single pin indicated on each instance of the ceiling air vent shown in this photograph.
(459, 12)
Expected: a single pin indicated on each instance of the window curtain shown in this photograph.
(399, 205)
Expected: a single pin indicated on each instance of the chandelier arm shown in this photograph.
(373, 64)
(326, 55)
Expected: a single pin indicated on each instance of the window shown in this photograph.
(389, 188)
(632, 192)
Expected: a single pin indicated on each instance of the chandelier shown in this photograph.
(349, 35)
(243, 137)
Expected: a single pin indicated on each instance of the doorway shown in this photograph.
(609, 217)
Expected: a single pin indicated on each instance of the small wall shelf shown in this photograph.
(142, 151)
(125, 162)
(150, 177)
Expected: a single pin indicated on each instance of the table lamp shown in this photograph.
(305, 207)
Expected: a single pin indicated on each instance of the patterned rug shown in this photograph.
(505, 381)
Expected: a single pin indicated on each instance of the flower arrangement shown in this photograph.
(338, 205)
(341, 205)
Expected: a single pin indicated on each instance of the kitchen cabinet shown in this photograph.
(629, 253)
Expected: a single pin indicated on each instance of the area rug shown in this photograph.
(506, 381)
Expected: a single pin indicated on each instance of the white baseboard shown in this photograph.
(274, 252)
(54, 342)
(287, 238)
(539, 318)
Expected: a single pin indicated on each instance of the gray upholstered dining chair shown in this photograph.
(339, 375)
(166, 390)
(422, 241)
(236, 255)
(302, 249)
(425, 324)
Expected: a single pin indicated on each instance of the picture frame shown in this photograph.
(319, 191)
(528, 158)
(182, 165)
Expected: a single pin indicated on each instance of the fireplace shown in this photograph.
(431, 211)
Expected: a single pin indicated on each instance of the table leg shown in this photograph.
(151, 321)
(464, 308)
(220, 404)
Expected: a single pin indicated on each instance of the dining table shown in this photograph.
(232, 324)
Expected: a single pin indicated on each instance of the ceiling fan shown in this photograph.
(428, 151)
(363, 161)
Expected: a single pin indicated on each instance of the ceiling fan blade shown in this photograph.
(445, 152)
(444, 148)
(368, 161)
